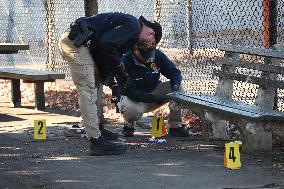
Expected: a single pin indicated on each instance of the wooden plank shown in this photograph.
(253, 51)
(250, 79)
(246, 64)
(31, 75)
(228, 107)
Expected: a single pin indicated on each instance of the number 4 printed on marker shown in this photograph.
(232, 157)
(232, 154)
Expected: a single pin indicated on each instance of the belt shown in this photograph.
(80, 33)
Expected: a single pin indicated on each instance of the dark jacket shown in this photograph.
(114, 34)
(144, 78)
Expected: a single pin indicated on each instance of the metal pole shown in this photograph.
(50, 34)
(270, 31)
(269, 23)
(190, 35)
(91, 7)
(158, 10)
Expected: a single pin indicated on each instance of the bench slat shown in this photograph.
(13, 47)
(250, 79)
(31, 75)
(249, 65)
(229, 107)
(253, 51)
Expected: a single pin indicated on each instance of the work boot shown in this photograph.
(101, 147)
(179, 132)
(75, 131)
(128, 131)
(108, 134)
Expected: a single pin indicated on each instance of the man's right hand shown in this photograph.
(175, 88)
(115, 96)
(158, 99)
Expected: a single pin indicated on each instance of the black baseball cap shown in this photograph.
(155, 26)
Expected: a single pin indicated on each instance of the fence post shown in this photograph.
(158, 10)
(270, 33)
(50, 33)
(269, 23)
(91, 7)
(190, 33)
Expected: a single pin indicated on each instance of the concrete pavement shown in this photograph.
(63, 163)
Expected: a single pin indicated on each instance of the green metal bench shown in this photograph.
(255, 122)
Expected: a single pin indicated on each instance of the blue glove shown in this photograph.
(115, 96)
(175, 88)
(121, 77)
(159, 99)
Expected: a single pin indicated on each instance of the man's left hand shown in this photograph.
(121, 77)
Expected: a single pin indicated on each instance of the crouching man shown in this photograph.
(146, 92)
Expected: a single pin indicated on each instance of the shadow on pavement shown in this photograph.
(8, 118)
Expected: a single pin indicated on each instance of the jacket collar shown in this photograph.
(137, 63)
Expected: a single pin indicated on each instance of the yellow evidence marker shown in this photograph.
(232, 156)
(158, 127)
(40, 129)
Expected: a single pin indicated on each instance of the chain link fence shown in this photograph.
(192, 30)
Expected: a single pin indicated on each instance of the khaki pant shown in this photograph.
(86, 79)
(133, 111)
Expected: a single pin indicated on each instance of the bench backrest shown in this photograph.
(270, 53)
(268, 81)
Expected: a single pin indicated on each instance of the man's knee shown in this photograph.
(131, 116)
(131, 110)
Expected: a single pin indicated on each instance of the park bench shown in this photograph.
(29, 76)
(256, 122)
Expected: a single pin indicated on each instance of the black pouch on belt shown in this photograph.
(80, 33)
(74, 30)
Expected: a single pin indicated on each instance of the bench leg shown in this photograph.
(16, 92)
(217, 128)
(257, 138)
(39, 95)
